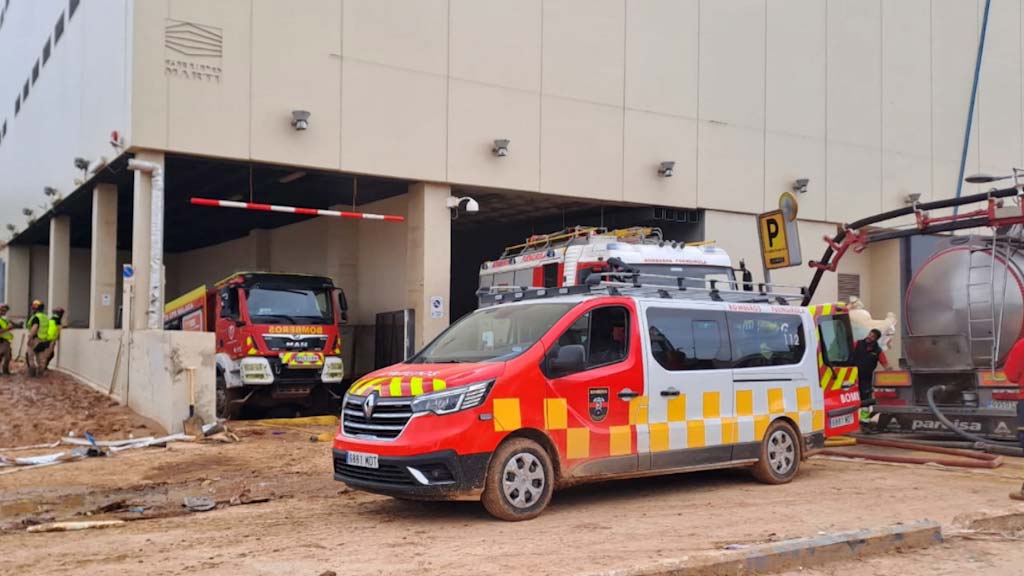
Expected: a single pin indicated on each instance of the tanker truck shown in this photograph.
(964, 310)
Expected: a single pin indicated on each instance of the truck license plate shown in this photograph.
(1004, 404)
(361, 459)
(840, 421)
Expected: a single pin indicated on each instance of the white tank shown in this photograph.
(962, 277)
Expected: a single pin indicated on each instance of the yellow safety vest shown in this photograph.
(53, 330)
(4, 324)
(44, 326)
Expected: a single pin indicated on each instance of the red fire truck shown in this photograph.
(277, 336)
(567, 257)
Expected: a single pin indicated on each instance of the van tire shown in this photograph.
(536, 476)
(780, 454)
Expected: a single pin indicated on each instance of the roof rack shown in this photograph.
(631, 284)
(567, 236)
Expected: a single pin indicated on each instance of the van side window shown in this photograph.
(603, 334)
(766, 339)
(688, 339)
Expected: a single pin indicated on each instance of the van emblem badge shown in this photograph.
(598, 404)
(369, 404)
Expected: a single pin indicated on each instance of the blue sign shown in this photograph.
(127, 271)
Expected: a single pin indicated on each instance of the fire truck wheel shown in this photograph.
(225, 409)
(519, 481)
(780, 454)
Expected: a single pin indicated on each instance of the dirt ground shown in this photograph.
(38, 410)
(311, 524)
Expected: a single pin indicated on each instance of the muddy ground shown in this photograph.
(310, 524)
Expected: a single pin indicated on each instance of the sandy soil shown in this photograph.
(312, 524)
(39, 410)
(955, 558)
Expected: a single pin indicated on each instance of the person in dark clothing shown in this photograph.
(866, 356)
(614, 349)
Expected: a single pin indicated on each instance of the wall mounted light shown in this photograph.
(500, 148)
(300, 119)
(666, 169)
(800, 185)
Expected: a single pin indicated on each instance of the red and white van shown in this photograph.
(561, 386)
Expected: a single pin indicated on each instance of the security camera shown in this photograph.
(912, 198)
(800, 185)
(50, 191)
(300, 119)
(453, 203)
(82, 164)
(473, 205)
(28, 212)
(666, 169)
(500, 150)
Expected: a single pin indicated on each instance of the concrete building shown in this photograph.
(866, 99)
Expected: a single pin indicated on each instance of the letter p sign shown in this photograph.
(774, 245)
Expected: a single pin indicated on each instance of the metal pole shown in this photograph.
(974, 97)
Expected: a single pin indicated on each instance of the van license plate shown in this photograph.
(1004, 405)
(840, 421)
(362, 460)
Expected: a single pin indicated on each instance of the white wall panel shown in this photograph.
(399, 33)
(581, 149)
(584, 50)
(394, 121)
(854, 182)
(651, 139)
(789, 157)
(999, 90)
(480, 114)
(662, 44)
(795, 67)
(731, 167)
(955, 26)
(732, 56)
(497, 42)
(307, 76)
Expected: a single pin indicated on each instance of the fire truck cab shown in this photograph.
(277, 336)
(542, 388)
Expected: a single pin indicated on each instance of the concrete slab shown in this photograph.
(798, 553)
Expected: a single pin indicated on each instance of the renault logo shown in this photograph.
(369, 404)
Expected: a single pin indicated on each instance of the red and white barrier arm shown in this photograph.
(294, 210)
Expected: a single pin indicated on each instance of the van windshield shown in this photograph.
(269, 305)
(492, 334)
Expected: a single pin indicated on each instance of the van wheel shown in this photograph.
(780, 454)
(520, 480)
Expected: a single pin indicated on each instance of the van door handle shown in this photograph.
(670, 392)
(628, 394)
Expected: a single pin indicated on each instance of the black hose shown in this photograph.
(1011, 450)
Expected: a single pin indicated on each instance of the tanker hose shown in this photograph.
(1003, 447)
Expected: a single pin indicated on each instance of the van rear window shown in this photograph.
(766, 339)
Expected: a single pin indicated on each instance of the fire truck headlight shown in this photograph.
(334, 370)
(256, 370)
(449, 401)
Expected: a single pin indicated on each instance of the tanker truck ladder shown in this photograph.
(981, 305)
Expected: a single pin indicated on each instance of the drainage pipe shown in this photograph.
(154, 312)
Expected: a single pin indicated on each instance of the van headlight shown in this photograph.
(256, 370)
(334, 370)
(455, 400)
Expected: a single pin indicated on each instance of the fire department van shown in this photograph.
(544, 388)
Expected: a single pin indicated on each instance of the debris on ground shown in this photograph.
(74, 526)
(199, 503)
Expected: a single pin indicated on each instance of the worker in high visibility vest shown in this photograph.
(6, 339)
(38, 327)
(50, 337)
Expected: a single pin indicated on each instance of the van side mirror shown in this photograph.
(570, 359)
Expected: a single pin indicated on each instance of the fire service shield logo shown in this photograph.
(598, 404)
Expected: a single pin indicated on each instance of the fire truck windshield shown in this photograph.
(268, 305)
(696, 276)
(492, 334)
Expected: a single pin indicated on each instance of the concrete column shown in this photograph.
(18, 280)
(103, 271)
(141, 227)
(428, 257)
(60, 263)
